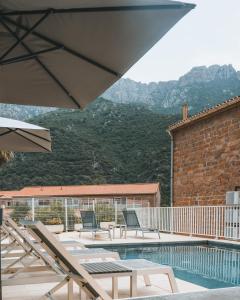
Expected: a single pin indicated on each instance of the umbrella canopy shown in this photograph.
(19, 136)
(65, 53)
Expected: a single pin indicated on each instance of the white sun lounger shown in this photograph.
(74, 271)
(137, 267)
(22, 241)
(31, 258)
(31, 265)
(114, 269)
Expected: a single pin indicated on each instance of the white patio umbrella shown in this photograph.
(19, 136)
(65, 53)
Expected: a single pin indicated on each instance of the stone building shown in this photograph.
(206, 155)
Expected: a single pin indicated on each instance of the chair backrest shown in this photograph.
(66, 261)
(131, 219)
(88, 219)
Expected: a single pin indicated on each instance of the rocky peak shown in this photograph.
(206, 74)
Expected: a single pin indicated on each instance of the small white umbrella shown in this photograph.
(20, 136)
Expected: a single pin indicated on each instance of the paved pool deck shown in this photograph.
(150, 238)
(160, 285)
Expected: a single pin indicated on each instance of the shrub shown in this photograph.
(20, 212)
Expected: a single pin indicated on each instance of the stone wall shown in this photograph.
(207, 159)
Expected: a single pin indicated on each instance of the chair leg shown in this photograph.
(158, 232)
(172, 281)
(133, 285)
(124, 231)
(142, 234)
(147, 280)
(82, 294)
(54, 289)
(115, 287)
(70, 289)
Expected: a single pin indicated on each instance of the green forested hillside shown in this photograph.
(106, 143)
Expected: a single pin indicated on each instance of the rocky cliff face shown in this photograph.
(208, 74)
(202, 87)
(21, 112)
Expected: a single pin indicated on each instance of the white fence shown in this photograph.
(66, 211)
(207, 221)
(210, 262)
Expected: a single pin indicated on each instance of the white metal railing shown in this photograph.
(210, 262)
(208, 221)
(66, 211)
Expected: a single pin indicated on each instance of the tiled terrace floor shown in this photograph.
(86, 238)
(159, 287)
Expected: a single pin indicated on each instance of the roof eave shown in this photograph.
(227, 105)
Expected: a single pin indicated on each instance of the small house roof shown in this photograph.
(84, 190)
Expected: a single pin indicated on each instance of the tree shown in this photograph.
(5, 156)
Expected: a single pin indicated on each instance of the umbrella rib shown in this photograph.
(102, 9)
(35, 135)
(25, 35)
(31, 141)
(7, 132)
(65, 48)
(57, 81)
(27, 56)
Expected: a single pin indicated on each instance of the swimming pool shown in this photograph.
(210, 265)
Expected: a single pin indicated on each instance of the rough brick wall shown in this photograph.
(207, 159)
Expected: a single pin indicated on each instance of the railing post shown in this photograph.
(33, 209)
(191, 212)
(216, 224)
(116, 212)
(171, 219)
(66, 213)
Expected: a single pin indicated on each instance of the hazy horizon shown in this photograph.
(208, 35)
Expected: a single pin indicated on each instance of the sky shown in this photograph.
(209, 34)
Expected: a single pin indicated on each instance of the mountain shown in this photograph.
(21, 112)
(201, 88)
(118, 141)
(106, 143)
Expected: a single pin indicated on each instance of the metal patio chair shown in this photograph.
(89, 224)
(133, 224)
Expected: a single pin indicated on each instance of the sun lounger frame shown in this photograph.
(67, 263)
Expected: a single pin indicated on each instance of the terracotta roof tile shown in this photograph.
(86, 190)
(206, 113)
(8, 194)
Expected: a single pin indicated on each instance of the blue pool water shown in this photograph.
(204, 264)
